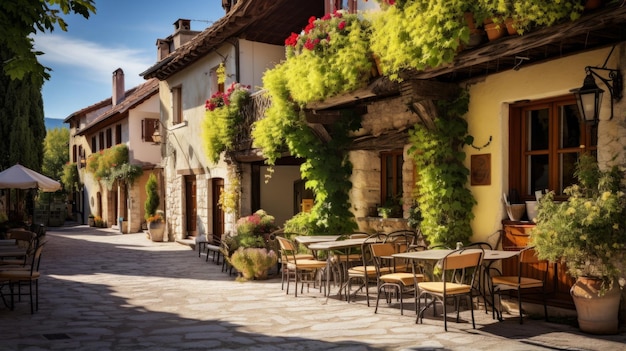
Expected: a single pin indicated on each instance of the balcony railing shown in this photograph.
(252, 112)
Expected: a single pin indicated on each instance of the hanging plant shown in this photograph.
(223, 115)
(113, 164)
(329, 57)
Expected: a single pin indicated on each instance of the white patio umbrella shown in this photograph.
(20, 177)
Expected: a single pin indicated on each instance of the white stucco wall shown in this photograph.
(141, 151)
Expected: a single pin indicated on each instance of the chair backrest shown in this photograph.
(36, 259)
(382, 249)
(461, 265)
(529, 255)
(287, 248)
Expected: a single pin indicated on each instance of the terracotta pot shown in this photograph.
(495, 30)
(596, 314)
(511, 28)
(593, 4)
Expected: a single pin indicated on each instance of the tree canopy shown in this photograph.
(21, 19)
(55, 152)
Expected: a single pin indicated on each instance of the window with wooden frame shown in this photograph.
(177, 104)
(109, 137)
(391, 176)
(118, 134)
(93, 144)
(545, 139)
(148, 127)
(331, 6)
(101, 141)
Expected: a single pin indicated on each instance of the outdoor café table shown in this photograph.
(330, 246)
(307, 240)
(432, 256)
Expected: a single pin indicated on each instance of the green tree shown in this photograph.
(19, 20)
(55, 152)
(152, 201)
(22, 128)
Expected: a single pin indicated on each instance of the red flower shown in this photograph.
(339, 14)
(341, 25)
(326, 17)
(292, 40)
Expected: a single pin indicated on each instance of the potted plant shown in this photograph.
(154, 218)
(253, 262)
(251, 251)
(587, 232)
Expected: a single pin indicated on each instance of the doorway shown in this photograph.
(217, 187)
(191, 208)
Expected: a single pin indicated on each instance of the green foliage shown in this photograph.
(22, 128)
(56, 153)
(112, 165)
(152, 200)
(19, 20)
(444, 200)
(253, 262)
(70, 178)
(419, 34)
(331, 56)
(587, 232)
(223, 115)
(229, 198)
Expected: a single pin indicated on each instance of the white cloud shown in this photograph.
(92, 60)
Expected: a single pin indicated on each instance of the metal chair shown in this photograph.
(465, 261)
(301, 268)
(20, 277)
(528, 261)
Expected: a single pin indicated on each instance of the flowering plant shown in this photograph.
(588, 231)
(223, 115)
(331, 55)
(258, 223)
(157, 218)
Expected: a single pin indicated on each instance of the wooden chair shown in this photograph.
(528, 261)
(390, 276)
(458, 271)
(299, 268)
(20, 277)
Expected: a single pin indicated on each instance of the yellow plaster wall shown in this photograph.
(488, 117)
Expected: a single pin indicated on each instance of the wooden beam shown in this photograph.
(429, 89)
(514, 45)
(380, 87)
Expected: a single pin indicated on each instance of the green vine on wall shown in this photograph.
(444, 199)
(112, 165)
(223, 115)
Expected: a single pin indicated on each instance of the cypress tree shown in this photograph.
(22, 127)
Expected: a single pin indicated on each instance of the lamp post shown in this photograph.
(589, 96)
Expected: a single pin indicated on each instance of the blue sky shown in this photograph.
(122, 34)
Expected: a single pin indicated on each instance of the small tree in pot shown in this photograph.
(153, 217)
(588, 233)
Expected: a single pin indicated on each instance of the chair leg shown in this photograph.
(519, 303)
(445, 313)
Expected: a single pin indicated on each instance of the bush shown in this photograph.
(253, 262)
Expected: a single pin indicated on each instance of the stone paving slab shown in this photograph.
(102, 290)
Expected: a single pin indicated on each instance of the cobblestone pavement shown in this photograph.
(105, 291)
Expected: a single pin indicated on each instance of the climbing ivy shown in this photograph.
(445, 201)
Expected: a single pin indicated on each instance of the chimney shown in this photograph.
(118, 87)
(182, 34)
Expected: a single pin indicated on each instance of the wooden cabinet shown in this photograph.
(516, 236)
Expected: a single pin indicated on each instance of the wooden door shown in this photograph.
(217, 213)
(191, 208)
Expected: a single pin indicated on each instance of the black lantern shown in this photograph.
(589, 96)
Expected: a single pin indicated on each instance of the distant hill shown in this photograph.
(52, 123)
